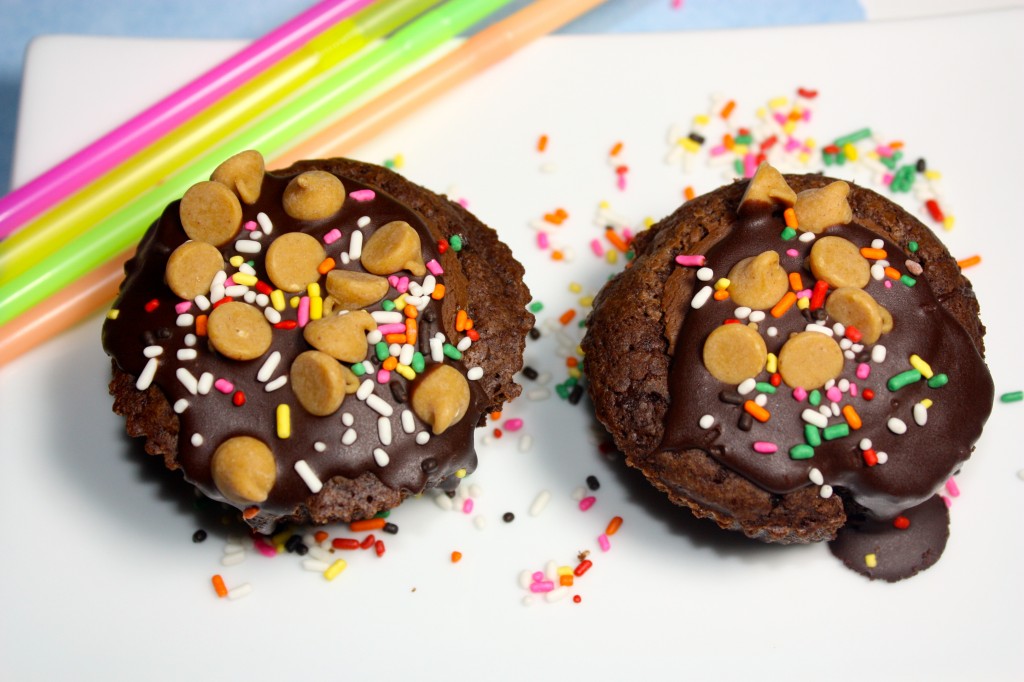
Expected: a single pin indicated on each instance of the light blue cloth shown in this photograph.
(21, 20)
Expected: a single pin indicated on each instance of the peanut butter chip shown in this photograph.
(244, 469)
(838, 262)
(239, 331)
(817, 209)
(354, 290)
(313, 195)
(243, 174)
(318, 382)
(292, 261)
(393, 247)
(440, 397)
(734, 353)
(351, 380)
(343, 337)
(191, 268)
(767, 187)
(758, 282)
(857, 308)
(210, 213)
(809, 359)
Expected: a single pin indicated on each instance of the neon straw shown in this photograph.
(284, 125)
(86, 165)
(147, 169)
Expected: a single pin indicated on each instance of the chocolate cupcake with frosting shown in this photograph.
(798, 359)
(317, 343)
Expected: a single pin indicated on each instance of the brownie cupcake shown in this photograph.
(797, 359)
(317, 343)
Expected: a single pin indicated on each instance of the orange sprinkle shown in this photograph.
(396, 338)
(571, 362)
(469, 324)
(616, 240)
(968, 262)
(456, 556)
(497, 433)
(410, 311)
(689, 193)
(789, 215)
(557, 255)
(320, 535)
(250, 512)
(728, 142)
(896, 144)
(566, 317)
(201, 325)
(565, 580)
(438, 292)
(542, 143)
(721, 294)
(784, 304)
(460, 321)
(796, 282)
(852, 418)
(873, 254)
(326, 266)
(561, 213)
(219, 587)
(613, 526)
(616, 149)
(390, 363)
(892, 273)
(727, 109)
(756, 411)
(495, 416)
(411, 330)
(367, 524)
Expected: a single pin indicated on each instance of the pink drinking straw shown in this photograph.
(38, 195)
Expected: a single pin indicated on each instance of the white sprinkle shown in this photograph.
(345, 258)
(219, 278)
(422, 438)
(180, 405)
(355, 245)
(525, 442)
(877, 244)
(556, 594)
(308, 477)
(205, 383)
(276, 383)
(825, 410)
(920, 414)
(190, 340)
(262, 300)
(247, 269)
(878, 272)
(705, 274)
(707, 421)
(320, 446)
(363, 221)
(742, 313)
(844, 385)
(265, 223)
(529, 599)
(347, 419)
(835, 409)
(242, 591)
(408, 422)
(250, 296)
(845, 344)
(814, 418)
(825, 491)
(806, 237)
(757, 316)
(821, 329)
(394, 350)
(186, 354)
(475, 373)
(429, 284)
(849, 355)
(379, 405)
(815, 475)
(865, 444)
(256, 235)
(882, 457)
(540, 502)
(475, 491)
(415, 289)
(152, 351)
(236, 290)
(538, 394)
(857, 347)
(406, 354)
(320, 552)
(147, 375)
(384, 431)
(232, 559)
(365, 389)
(386, 316)
(578, 494)
(202, 302)
(464, 344)
(761, 399)
(374, 336)
(245, 246)
(381, 457)
(269, 366)
(185, 320)
(480, 521)
(829, 384)
(196, 440)
(746, 386)
(773, 332)
(348, 437)
(897, 426)
(839, 329)
(273, 317)
(544, 378)
(315, 565)
(700, 298)
(190, 383)
(878, 354)
(443, 501)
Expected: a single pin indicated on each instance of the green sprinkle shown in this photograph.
(836, 431)
(903, 180)
(358, 369)
(418, 363)
(889, 162)
(571, 382)
(829, 159)
(853, 137)
(812, 434)
(902, 379)
(1013, 397)
(788, 233)
(455, 241)
(908, 280)
(814, 398)
(452, 352)
(382, 514)
(737, 165)
(382, 351)
(801, 451)
(631, 254)
(938, 381)
(387, 305)
(765, 387)
(536, 307)
(913, 246)
(744, 139)
(562, 391)
(389, 163)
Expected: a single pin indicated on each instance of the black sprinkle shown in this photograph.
(576, 394)
(301, 549)
(199, 535)
(292, 543)
(429, 315)
(697, 137)
(429, 465)
(746, 422)
(921, 166)
(731, 397)
(808, 314)
(163, 333)
(534, 333)
(450, 494)
(398, 391)
(148, 338)
(862, 356)
(508, 517)
(390, 528)
(530, 373)
(820, 315)
(593, 483)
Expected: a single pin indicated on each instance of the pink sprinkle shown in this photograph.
(229, 282)
(887, 179)
(627, 234)
(264, 547)
(513, 424)
(853, 389)
(467, 506)
(250, 225)
(403, 285)
(435, 268)
(223, 385)
(363, 194)
(303, 312)
(799, 394)
(779, 117)
(537, 576)
(332, 236)
(542, 240)
(620, 182)
(792, 144)
(717, 150)
(952, 488)
(863, 371)
(393, 280)
(182, 307)
(792, 253)
(587, 502)
(383, 376)
(595, 246)
(691, 261)
(542, 586)
(884, 150)
(602, 541)
(463, 203)
(391, 328)
(749, 165)
(888, 284)
(806, 293)
(949, 502)
(834, 394)
(807, 115)
(765, 448)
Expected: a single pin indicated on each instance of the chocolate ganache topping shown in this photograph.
(300, 327)
(855, 378)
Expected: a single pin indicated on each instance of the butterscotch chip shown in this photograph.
(354, 290)
(838, 262)
(191, 269)
(440, 397)
(313, 195)
(393, 247)
(292, 261)
(343, 336)
(886, 319)
(767, 187)
(817, 209)
(857, 308)
(210, 213)
(734, 353)
(244, 469)
(243, 174)
(239, 331)
(758, 282)
(809, 359)
(351, 380)
(318, 382)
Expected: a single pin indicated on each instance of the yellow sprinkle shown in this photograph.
(804, 158)
(277, 300)
(604, 205)
(648, 221)
(579, 351)
(789, 127)
(400, 302)
(870, 560)
(281, 538)
(810, 143)
(574, 372)
(772, 364)
(294, 302)
(335, 569)
(565, 570)
(406, 371)
(575, 287)
(586, 301)
(701, 119)
(803, 303)
(873, 155)
(927, 402)
(740, 149)
(761, 113)
(689, 145)
(284, 421)
(850, 151)
(243, 278)
(921, 366)
(113, 313)
(948, 222)
(461, 473)
(722, 283)
(612, 256)
(399, 160)
(313, 289)
(316, 307)
(236, 261)
(778, 102)
(933, 175)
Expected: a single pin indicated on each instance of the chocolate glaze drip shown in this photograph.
(412, 467)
